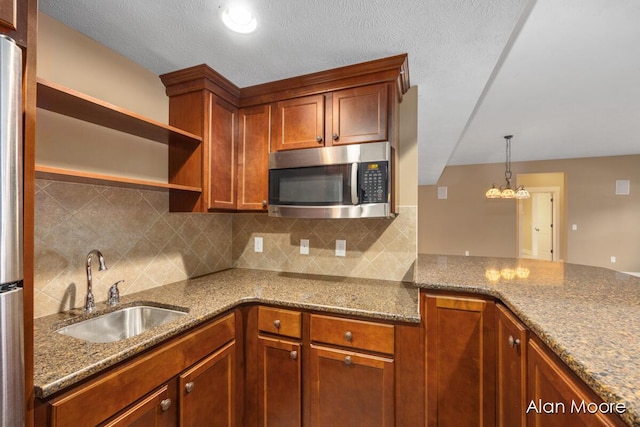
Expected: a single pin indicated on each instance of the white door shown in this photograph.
(542, 226)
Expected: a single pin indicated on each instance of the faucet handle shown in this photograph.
(114, 294)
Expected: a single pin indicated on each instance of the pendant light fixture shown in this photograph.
(507, 192)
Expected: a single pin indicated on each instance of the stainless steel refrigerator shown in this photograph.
(11, 274)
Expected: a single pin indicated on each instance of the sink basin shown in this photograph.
(120, 324)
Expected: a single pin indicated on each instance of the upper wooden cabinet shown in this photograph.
(8, 14)
(347, 116)
(353, 104)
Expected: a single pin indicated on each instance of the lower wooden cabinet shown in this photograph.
(350, 389)
(156, 410)
(460, 361)
(279, 383)
(556, 398)
(511, 372)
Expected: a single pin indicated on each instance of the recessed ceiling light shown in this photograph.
(239, 19)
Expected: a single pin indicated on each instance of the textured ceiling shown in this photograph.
(458, 50)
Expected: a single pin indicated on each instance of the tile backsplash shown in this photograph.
(147, 246)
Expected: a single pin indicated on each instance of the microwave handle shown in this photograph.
(354, 184)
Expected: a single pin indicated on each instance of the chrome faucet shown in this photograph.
(114, 294)
(90, 304)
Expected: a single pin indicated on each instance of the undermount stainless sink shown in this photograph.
(120, 324)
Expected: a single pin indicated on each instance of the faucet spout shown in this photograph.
(90, 304)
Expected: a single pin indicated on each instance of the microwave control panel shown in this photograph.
(374, 182)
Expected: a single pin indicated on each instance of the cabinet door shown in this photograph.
(360, 114)
(253, 157)
(511, 338)
(299, 123)
(207, 391)
(460, 347)
(350, 389)
(8, 11)
(156, 410)
(222, 155)
(552, 391)
(279, 383)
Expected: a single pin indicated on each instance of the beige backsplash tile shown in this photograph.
(147, 246)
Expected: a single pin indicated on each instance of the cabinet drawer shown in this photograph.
(280, 322)
(355, 334)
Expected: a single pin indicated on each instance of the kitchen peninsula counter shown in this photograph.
(61, 361)
(588, 316)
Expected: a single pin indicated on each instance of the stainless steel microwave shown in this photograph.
(347, 181)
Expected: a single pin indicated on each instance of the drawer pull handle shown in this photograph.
(513, 342)
(188, 387)
(348, 336)
(347, 360)
(276, 324)
(294, 355)
(165, 404)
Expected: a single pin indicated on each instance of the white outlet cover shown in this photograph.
(623, 187)
(341, 248)
(613, 259)
(257, 244)
(304, 246)
(442, 193)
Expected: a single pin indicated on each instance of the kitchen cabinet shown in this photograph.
(222, 155)
(460, 361)
(207, 390)
(136, 389)
(254, 138)
(511, 372)
(156, 410)
(279, 360)
(354, 115)
(351, 372)
(555, 397)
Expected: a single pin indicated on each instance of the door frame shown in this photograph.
(555, 235)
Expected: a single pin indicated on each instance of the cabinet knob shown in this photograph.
(348, 336)
(347, 360)
(513, 342)
(188, 387)
(276, 324)
(264, 203)
(319, 138)
(165, 404)
(336, 137)
(294, 355)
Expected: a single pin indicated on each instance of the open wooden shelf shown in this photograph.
(46, 172)
(62, 100)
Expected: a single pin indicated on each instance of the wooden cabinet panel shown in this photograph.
(8, 14)
(460, 348)
(356, 334)
(552, 389)
(222, 155)
(159, 409)
(253, 157)
(279, 321)
(360, 114)
(279, 383)
(511, 381)
(207, 391)
(350, 389)
(299, 123)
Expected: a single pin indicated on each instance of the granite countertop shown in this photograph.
(589, 316)
(61, 361)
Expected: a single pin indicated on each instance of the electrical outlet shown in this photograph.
(466, 253)
(257, 244)
(341, 248)
(304, 246)
(574, 227)
(613, 259)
